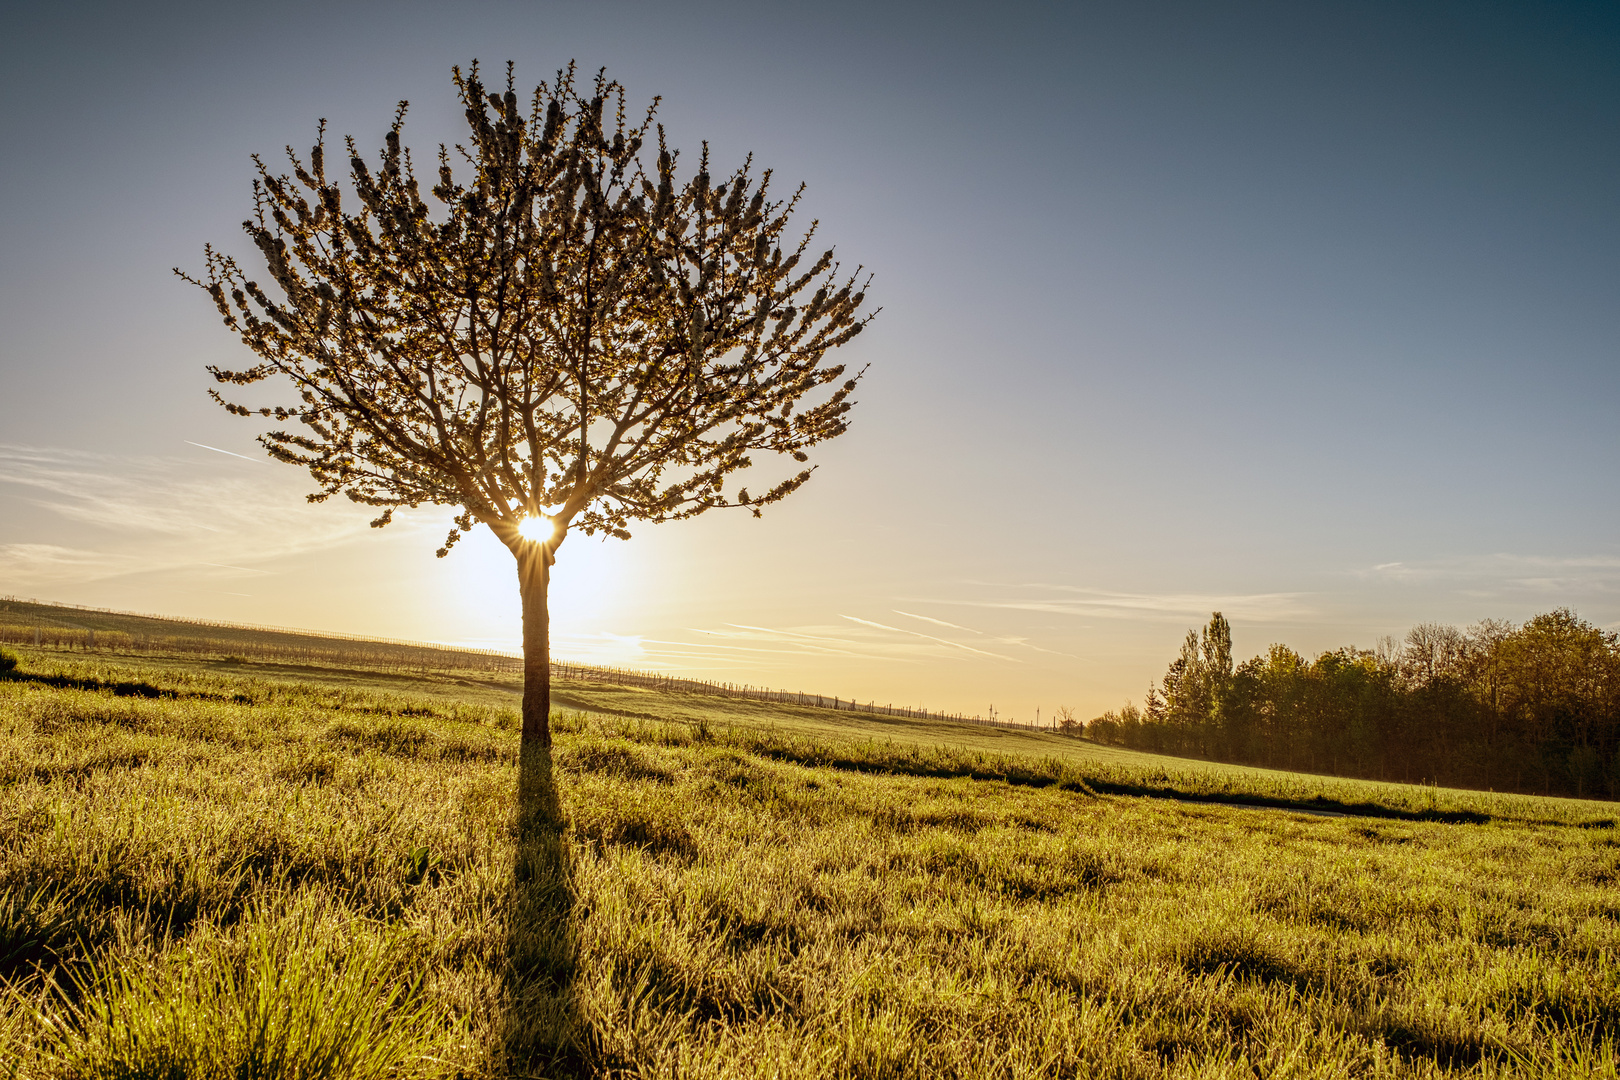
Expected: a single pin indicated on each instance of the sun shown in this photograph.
(536, 528)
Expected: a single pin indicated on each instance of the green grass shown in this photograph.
(235, 870)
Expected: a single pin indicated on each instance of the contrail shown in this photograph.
(936, 622)
(931, 637)
(217, 450)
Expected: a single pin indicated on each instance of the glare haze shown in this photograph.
(1304, 313)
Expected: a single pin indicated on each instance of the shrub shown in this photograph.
(8, 663)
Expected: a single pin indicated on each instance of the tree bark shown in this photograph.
(534, 579)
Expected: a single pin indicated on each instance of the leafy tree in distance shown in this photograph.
(557, 339)
(1192, 687)
(1532, 708)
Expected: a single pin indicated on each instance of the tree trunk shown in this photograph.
(541, 1026)
(534, 578)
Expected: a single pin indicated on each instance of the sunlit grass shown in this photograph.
(292, 993)
(189, 859)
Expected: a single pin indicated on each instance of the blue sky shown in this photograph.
(1303, 312)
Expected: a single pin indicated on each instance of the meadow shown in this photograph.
(211, 867)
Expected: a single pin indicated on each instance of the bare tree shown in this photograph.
(559, 339)
(1433, 651)
(1387, 651)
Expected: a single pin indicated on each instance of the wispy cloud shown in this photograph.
(1503, 572)
(158, 514)
(217, 450)
(242, 569)
(1014, 642)
(29, 565)
(1076, 600)
(801, 639)
(732, 651)
(1023, 643)
(867, 640)
(936, 622)
(930, 637)
(743, 647)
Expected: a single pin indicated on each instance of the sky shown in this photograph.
(1306, 313)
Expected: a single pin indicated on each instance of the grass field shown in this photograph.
(226, 869)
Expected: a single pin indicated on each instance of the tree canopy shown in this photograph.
(551, 331)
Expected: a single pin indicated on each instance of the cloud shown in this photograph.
(28, 565)
(740, 646)
(1015, 642)
(1075, 600)
(930, 637)
(936, 622)
(217, 450)
(155, 514)
(822, 640)
(866, 641)
(1023, 643)
(605, 648)
(1502, 572)
(739, 650)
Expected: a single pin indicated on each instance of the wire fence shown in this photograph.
(79, 627)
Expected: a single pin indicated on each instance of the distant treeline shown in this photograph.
(1532, 708)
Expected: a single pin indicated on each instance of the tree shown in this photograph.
(1195, 681)
(1216, 647)
(1561, 690)
(1433, 652)
(559, 339)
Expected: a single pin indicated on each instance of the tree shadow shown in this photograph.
(541, 1033)
(118, 688)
